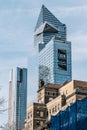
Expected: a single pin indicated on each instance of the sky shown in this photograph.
(17, 22)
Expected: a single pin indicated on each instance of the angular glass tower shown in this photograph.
(18, 101)
(54, 49)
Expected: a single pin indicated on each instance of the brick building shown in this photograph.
(51, 99)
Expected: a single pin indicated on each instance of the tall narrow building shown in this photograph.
(17, 99)
(11, 102)
(54, 49)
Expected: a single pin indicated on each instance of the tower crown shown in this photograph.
(47, 27)
(46, 16)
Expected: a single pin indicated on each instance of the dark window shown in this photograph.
(47, 113)
(21, 75)
(53, 94)
(48, 93)
(62, 59)
(53, 109)
(63, 100)
(50, 111)
(37, 122)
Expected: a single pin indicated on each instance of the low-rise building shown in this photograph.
(36, 116)
(51, 100)
(48, 92)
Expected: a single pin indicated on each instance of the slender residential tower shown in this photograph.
(11, 102)
(17, 99)
(54, 49)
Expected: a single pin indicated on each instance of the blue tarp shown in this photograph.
(73, 118)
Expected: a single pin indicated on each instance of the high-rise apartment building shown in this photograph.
(17, 99)
(54, 49)
(11, 102)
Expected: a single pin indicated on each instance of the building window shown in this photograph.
(37, 123)
(21, 75)
(30, 123)
(55, 108)
(46, 113)
(49, 111)
(53, 94)
(29, 115)
(50, 99)
(62, 59)
(63, 100)
(48, 93)
(78, 87)
(59, 106)
(41, 114)
(38, 113)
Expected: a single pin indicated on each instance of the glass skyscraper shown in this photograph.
(18, 100)
(54, 49)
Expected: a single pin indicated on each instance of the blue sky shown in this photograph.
(17, 21)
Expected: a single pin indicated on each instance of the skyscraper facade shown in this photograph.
(54, 49)
(18, 98)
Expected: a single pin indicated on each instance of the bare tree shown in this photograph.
(2, 109)
(4, 127)
(2, 102)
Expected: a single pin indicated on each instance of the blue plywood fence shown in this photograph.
(73, 118)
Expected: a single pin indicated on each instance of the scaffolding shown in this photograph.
(73, 118)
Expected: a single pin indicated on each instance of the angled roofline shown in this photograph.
(42, 12)
(41, 28)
